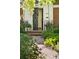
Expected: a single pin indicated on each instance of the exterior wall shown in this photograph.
(28, 17)
(50, 13)
(21, 12)
(56, 16)
(47, 14)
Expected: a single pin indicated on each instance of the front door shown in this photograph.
(35, 19)
(38, 19)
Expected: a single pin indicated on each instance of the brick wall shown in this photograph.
(56, 16)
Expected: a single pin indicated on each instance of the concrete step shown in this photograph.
(35, 33)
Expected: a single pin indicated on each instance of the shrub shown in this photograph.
(56, 29)
(57, 47)
(52, 42)
(49, 26)
(22, 26)
(47, 34)
(51, 36)
(56, 36)
(51, 31)
(28, 48)
(27, 25)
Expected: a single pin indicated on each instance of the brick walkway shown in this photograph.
(46, 51)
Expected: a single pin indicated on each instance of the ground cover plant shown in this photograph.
(28, 48)
(51, 36)
(22, 26)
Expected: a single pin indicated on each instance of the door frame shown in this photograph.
(41, 21)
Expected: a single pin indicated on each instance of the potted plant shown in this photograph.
(27, 25)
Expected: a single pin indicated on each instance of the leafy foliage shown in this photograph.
(52, 42)
(30, 4)
(28, 48)
(57, 47)
(49, 42)
(51, 36)
(49, 26)
(22, 26)
(46, 2)
(47, 34)
(56, 29)
(27, 24)
(51, 31)
(56, 2)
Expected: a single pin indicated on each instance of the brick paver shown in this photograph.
(48, 52)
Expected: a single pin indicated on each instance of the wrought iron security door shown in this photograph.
(35, 19)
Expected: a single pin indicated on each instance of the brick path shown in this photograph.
(46, 51)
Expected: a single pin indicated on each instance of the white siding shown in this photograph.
(28, 17)
(51, 13)
(47, 14)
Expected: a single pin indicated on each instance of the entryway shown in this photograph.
(38, 19)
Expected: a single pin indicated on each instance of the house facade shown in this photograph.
(41, 16)
(56, 15)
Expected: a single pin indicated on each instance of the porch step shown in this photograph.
(35, 33)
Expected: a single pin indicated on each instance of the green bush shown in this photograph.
(27, 25)
(57, 47)
(28, 48)
(51, 36)
(52, 42)
(47, 34)
(22, 26)
(51, 31)
(56, 29)
(49, 42)
(49, 26)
